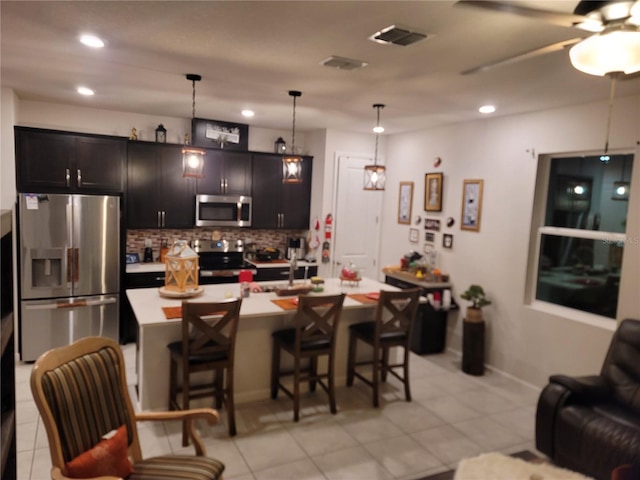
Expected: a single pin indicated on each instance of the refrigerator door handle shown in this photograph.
(70, 265)
(81, 303)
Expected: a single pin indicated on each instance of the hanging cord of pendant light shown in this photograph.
(614, 76)
(377, 106)
(194, 78)
(294, 94)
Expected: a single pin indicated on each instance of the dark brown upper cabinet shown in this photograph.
(158, 196)
(50, 161)
(277, 204)
(225, 173)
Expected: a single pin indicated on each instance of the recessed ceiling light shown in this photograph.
(487, 109)
(248, 113)
(85, 91)
(91, 41)
(378, 129)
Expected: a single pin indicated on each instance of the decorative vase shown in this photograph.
(474, 314)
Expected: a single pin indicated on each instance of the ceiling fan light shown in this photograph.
(608, 52)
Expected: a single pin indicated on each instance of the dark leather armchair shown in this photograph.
(591, 424)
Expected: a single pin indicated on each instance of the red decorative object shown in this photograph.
(107, 458)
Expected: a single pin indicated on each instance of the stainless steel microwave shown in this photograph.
(223, 210)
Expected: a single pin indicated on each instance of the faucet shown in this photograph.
(293, 265)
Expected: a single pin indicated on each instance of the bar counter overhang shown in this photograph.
(259, 317)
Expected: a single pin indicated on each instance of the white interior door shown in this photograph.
(357, 219)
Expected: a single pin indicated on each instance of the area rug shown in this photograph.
(484, 467)
(496, 466)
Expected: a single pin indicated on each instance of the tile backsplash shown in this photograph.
(260, 238)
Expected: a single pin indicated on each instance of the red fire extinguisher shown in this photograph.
(328, 225)
(326, 245)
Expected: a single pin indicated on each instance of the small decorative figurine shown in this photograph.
(134, 134)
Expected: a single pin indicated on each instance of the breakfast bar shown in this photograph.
(260, 315)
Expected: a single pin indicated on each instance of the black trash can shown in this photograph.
(429, 330)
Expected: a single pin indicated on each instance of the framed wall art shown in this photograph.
(405, 201)
(218, 134)
(433, 192)
(432, 224)
(429, 237)
(471, 205)
(447, 240)
(414, 235)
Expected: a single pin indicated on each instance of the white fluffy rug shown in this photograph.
(496, 466)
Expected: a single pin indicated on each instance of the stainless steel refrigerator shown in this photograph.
(69, 269)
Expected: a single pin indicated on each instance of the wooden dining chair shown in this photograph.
(313, 335)
(394, 317)
(81, 394)
(208, 344)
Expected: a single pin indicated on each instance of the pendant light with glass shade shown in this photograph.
(374, 175)
(292, 163)
(192, 158)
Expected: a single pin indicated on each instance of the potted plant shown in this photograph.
(475, 294)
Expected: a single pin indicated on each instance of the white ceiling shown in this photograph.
(251, 53)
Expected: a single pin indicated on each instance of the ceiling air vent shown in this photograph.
(398, 35)
(343, 63)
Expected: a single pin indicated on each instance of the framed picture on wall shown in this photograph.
(414, 235)
(447, 240)
(405, 201)
(433, 192)
(471, 205)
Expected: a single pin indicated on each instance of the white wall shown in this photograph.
(504, 153)
(7, 149)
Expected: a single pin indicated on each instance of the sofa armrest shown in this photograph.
(589, 389)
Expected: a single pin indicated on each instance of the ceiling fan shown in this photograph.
(612, 49)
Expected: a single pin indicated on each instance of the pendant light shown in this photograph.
(292, 163)
(192, 158)
(374, 175)
(621, 188)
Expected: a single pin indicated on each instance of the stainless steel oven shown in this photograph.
(219, 262)
(223, 210)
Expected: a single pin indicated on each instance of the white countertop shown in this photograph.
(159, 266)
(147, 303)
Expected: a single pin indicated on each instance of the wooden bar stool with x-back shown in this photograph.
(392, 327)
(313, 335)
(208, 344)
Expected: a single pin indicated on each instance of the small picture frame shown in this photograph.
(405, 201)
(433, 192)
(447, 240)
(432, 224)
(430, 237)
(414, 234)
(471, 205)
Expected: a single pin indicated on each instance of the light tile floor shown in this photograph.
(452, 416)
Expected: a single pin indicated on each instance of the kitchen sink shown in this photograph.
(288, 290)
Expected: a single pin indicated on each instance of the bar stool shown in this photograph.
(392, 326)
(313, 335)
(208, 344)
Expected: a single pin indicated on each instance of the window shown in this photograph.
(581, 234)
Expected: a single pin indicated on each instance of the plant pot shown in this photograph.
(474, 315)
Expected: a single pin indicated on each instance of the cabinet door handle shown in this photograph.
(222, 185)
(226, 185)
(79, 177)
(159, 219)
(67, 176)
(163, 215)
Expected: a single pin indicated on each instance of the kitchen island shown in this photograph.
(259, 317)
